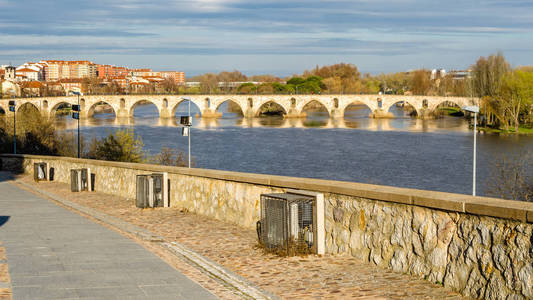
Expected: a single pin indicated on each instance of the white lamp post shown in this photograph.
(473, 109)
(188, 125)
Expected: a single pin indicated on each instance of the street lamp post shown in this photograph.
(475, 110)
(188, 124)
(77, 116)
(13, 109)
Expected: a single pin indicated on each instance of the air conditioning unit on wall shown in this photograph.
(292, 222)
(81, 180)
(152, 190)
(41, 171)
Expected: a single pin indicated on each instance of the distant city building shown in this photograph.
(67, 76)
(32, 88)
(71, 85)
(460, 74)
(109, 71)
(61, 69)
(10, 73)
(177, 77)
(437, 74)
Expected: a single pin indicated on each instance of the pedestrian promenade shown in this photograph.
(54, 253)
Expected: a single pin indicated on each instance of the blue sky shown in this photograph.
(257, 37)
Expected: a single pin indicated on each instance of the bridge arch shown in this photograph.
(193, 104)
(229, 102)
(57, 106)
(142, 102)
(275, 105)
(436, 104)
(357, 105)
(316, 103)
(411, 110)
(90, 111)
(27, 106)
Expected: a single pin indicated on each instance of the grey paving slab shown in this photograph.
(54, 253)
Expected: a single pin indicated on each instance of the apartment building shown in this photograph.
(178, 77)
(60, 69)
(109, 71)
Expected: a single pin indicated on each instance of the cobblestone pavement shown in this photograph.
(312, 277)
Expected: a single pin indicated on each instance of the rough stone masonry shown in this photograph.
(481, 247)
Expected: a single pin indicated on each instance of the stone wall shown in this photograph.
(482, 247)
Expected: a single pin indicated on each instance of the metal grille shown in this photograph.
(75, 180)
(84, 179)
(142, 191)
(286, 223)
(158, 190)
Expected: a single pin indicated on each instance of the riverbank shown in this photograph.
(498, 131)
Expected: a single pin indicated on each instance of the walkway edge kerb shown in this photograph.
(238, 284)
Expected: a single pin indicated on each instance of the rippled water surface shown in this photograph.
(404, 152)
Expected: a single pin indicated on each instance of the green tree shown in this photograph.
(119, 146)
(247, 88)
(296, 81)
(516, 97)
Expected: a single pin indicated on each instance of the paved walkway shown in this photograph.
(54, 253)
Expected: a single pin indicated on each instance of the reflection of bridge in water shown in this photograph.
(250, 105)
(373, 124)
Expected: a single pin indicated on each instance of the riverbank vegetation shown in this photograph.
(38, 135)
(511, 176)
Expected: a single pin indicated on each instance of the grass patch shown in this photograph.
(521, 130)
(452, 111)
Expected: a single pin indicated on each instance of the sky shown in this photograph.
(274, 37)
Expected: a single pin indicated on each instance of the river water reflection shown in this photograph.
(403, 152)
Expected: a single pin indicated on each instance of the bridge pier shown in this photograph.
(164, 113)
(381, 114)
(209, 113)
(293, 113)
(425, 114)
(336, 114)
(249, 113)
(122, 113)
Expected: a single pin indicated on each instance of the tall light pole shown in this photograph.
(187, 122)
(475, 110)
(77, 116)
(13, 109)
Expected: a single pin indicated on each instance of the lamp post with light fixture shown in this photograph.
(76, 115)
(186, 131)
(13, 109)
(475, 110)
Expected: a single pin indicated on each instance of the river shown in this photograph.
(403, 152)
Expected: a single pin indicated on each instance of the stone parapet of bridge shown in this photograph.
(250, 105)
(479, 246)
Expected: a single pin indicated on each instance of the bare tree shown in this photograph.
(511, 177)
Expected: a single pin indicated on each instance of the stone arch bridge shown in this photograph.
(292, 105)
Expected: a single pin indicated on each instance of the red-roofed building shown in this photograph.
(71, 85)
(32, 88)
(30, 74)
(177, 77)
